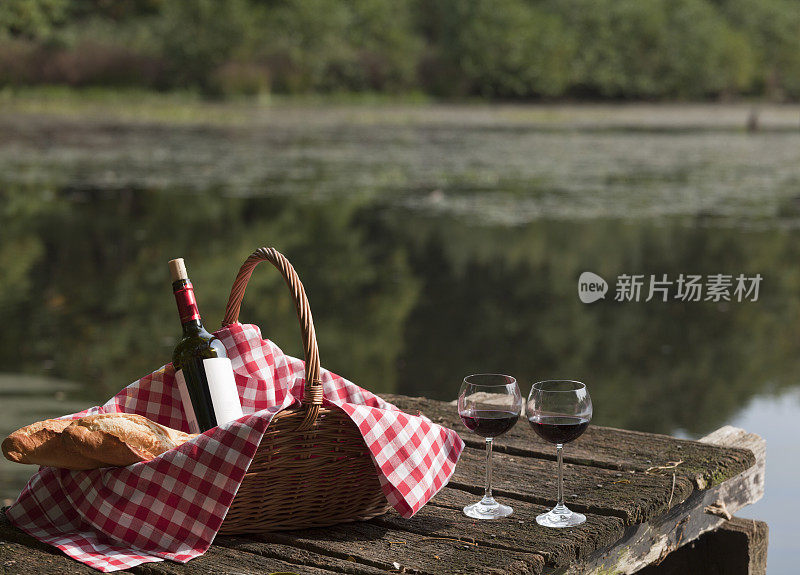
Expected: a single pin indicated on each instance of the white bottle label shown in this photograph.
(187, 402)
(221, 385)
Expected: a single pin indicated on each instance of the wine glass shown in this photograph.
(559, 411)
(489, 404)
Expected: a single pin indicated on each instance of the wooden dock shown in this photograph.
(645, 496)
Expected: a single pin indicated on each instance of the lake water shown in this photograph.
(433, 242)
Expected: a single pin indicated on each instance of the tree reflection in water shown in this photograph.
(402, 302)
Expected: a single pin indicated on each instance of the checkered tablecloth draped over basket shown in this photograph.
(172, 506)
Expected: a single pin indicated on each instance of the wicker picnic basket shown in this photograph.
(312, 468)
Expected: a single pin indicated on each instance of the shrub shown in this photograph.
(773, 29)
(239, 79)
(31, 19)
(508, 49)
(199, 36)
(328, 45)
(17, 61)
(660, 48)
(490, 48)
(92, 63)
(86, 64)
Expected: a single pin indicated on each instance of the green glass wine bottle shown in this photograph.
(203, 372)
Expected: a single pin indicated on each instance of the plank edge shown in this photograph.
(705, 510)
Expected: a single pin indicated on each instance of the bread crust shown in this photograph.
(93, 441)
(121, 438)
(40, 444)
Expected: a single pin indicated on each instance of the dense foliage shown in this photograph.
(652, 49)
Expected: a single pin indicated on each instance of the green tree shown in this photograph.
(508, 48)
(198, 36)
(31, 18)
(621, 46)
(703, 54)
(773, 26)
(662, 48)
(505, 48)
(329, 45)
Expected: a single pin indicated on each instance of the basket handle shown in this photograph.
(312, 395)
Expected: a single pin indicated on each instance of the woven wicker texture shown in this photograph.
(312, 467)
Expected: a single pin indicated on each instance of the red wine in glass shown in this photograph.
(489, 404)
(558, 428)
(489, 423)
(559, 411)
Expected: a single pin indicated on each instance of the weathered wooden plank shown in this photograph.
(633, 496)
(734, 437)
(23, 554)
(430, 547)
(737, 546)
(601, 479)
(223, 561)
(703, 511)
(751, 538)
(442, 524)
(24, 559)
(518, 532)
(19, 552)
(619, 449)
(299, 556)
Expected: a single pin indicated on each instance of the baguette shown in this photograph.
(40, 444)
(103, 440)
(121, 438)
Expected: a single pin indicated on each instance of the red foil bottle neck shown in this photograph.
(187, 304)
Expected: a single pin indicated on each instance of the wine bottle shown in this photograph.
(203, 372)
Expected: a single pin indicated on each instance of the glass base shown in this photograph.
(487, 508)
(560, 516)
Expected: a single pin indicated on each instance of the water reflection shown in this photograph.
(653, 366)
(429, 249)
(401, 304)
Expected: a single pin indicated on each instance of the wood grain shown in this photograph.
(634, 512)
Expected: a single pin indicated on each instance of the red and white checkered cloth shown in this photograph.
(171, 507)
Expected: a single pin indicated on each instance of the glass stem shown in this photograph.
(559, 447)
(487, 493)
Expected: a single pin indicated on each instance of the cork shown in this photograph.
(177, 269)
